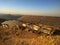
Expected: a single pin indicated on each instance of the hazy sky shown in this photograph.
(33, 7)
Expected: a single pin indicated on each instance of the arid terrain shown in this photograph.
(29, 22)
(19, 37)
(22, 37)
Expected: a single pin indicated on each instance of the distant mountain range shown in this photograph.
(9, 16)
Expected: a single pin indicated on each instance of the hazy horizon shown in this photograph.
(30, 7)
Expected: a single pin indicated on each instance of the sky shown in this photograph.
(30, 7)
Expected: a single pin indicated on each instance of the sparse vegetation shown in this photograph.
(19, 37)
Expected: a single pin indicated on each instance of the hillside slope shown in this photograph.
(54, 21)
(9, 16)
(19, 37)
